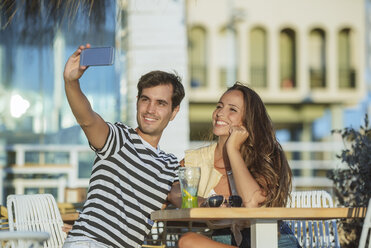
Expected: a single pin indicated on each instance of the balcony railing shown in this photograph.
(347, 78)
(224, 73)
(317, 78)
(59, 166)
(198, 76)
(309, 162)
(258, 76)
(44, 168)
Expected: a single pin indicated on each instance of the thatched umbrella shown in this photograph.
(51, 12)
(37, 21)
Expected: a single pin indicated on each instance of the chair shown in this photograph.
(311, 233)
(36, 213)
(3, 218)
(23, 239)
(366, 229)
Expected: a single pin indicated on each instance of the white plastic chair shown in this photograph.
(36, 213)
(366, 229)
(312, 233)
(23, 239)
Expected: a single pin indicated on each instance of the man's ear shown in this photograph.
(175, 111)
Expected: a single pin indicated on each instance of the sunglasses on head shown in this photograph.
(218, 200)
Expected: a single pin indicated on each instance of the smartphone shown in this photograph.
(97, 56)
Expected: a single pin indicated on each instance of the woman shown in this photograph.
(247, 148)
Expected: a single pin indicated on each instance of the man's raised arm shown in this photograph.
(94, 127)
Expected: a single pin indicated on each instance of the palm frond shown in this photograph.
(51, 12)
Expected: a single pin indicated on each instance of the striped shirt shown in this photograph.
(129, 180)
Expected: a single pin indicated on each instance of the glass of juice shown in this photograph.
(189, 178)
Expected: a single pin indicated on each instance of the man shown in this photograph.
(131, 176)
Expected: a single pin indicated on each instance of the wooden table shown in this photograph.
(70, 217)
(263, 221)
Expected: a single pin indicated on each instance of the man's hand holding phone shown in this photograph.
(72, 70)
(84, 57)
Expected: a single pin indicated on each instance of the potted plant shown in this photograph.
(352, 183)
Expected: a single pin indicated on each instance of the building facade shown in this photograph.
(306, 59)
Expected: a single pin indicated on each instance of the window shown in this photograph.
(258, 58)
(198, 55)
(287, 59)
(317, 58)
(347, 73)
(227, 57)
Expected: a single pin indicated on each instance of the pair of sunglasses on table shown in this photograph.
(215, 201)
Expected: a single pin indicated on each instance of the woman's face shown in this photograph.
(229, 112)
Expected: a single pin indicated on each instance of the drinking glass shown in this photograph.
(189, 178)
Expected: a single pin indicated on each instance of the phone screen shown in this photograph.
(97, 56)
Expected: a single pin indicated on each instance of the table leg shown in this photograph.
(264, 234)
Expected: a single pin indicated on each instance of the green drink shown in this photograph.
(188, 201)
(189, 178)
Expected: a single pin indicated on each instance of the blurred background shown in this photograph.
(309, 60)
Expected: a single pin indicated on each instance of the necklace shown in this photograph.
(219, 163)
(219, 166)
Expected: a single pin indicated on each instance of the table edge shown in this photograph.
(258, 213)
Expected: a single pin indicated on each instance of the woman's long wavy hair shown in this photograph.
(262, 152)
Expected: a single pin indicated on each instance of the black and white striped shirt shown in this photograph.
(129, 180)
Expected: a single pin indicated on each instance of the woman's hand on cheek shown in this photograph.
(237, 135)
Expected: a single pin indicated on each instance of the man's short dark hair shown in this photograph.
(155, 78)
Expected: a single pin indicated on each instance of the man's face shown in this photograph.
(154, 110)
